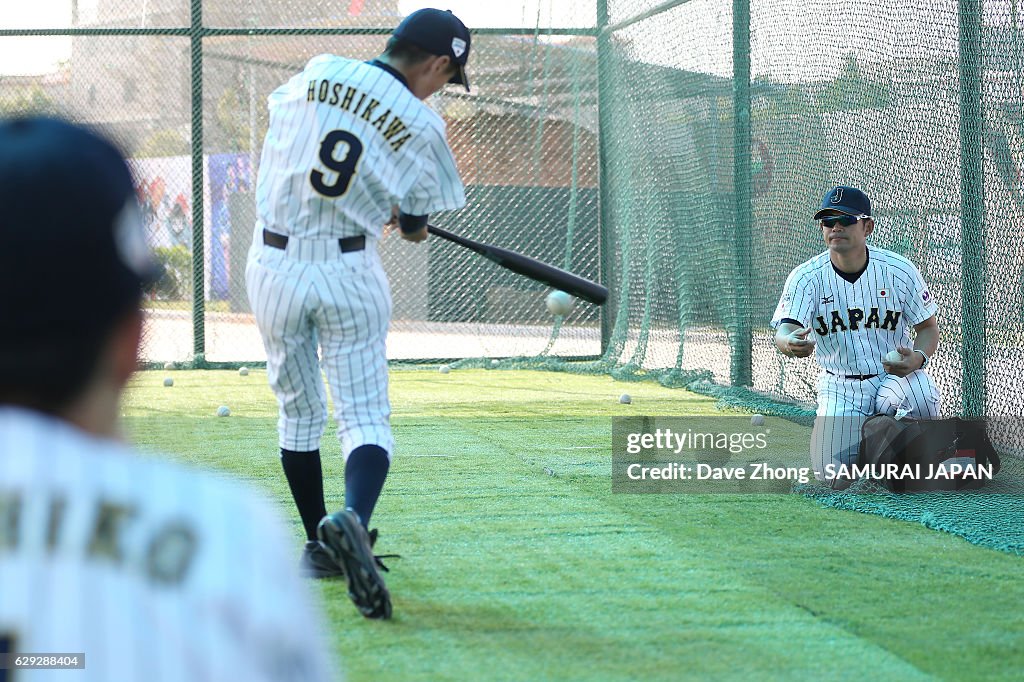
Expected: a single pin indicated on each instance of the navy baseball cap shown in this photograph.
(73, 254)
(439, 32)
(844, 199)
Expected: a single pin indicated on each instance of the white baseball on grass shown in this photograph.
(559, 303)
(757, 420)
(168, 381)
(444, 369)
(243, 371)
(893, 356)
(223, 411)
(625, 399)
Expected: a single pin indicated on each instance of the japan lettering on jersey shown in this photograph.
(347, 141)
(856, 323)
(152, 571)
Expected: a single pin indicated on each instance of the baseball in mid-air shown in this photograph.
(444, 369)
(893, 356)
(168, 381)
(757, 420)
(625, 399)
(494, 363)
(223, 411)
(243, 371)
(559, 303)
(169, 365)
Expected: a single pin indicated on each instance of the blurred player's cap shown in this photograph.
(843, 199)
(439, 32)
(73, 255)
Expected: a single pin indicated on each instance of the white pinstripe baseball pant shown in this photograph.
(311, 294)
(844, 405)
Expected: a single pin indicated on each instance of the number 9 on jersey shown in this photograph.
(344, 167)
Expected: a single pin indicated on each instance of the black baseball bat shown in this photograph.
(530, 267)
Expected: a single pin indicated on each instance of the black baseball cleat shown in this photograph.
(348, 544)
(316, 562)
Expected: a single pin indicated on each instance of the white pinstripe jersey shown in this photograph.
(347, 141)
(153, 571)
(856, 324)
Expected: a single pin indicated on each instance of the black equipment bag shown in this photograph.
(925, 445)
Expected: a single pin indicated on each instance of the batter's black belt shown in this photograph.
(347, 244)
(856, 377)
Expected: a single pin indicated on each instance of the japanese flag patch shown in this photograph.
(883, 293)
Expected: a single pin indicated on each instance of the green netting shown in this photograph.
(919, 104)
(881, 108)
(991, 517)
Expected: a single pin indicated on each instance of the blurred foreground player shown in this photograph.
(152, 571)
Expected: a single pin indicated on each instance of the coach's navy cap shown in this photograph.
(439, 32)
(73, 256)
(843, 199)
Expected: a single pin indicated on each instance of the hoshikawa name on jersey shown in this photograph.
(361, 105)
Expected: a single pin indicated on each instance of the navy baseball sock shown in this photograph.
(365, 471)
(306, 480)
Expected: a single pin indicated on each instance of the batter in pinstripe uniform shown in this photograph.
(851, 306)
(351, 146)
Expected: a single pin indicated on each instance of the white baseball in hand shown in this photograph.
(559, 303)
(893, 356)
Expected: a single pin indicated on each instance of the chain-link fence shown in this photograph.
(673, 150)
(183, 85)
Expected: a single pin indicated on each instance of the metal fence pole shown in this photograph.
(740, 365)
(198, 245)
(607, 241)
(972, 216)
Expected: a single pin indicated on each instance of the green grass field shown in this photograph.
(520, 564)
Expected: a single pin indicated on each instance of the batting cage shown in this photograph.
(674, 151)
